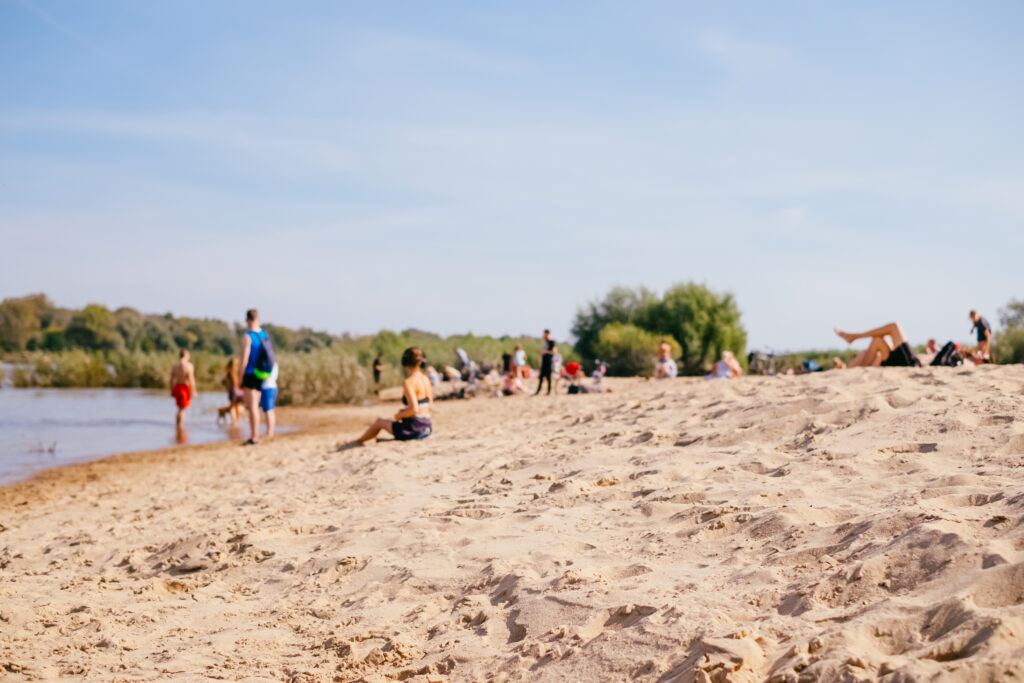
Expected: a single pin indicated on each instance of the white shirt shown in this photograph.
(270, 382)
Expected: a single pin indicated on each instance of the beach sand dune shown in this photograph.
(842, 526)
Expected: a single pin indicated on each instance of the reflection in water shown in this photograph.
(40, 428)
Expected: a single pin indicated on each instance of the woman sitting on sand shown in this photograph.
(881, 352)
(727, 368)
(413, 421)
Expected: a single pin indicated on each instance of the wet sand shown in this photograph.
(850, 525)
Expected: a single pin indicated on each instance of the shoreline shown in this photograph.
(301, 421)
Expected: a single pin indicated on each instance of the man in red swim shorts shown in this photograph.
(183, 385)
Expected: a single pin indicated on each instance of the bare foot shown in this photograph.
(849, 338)
(356, 443)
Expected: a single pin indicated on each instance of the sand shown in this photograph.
(851, 525)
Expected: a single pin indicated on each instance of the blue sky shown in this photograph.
(460, 166)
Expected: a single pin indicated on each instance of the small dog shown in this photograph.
(225, 412)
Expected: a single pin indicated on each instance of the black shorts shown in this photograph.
(901, 357)
(412, 428)
(252, 382)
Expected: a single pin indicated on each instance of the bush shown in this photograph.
(703, 322)
(324, 376)
(629, 350)
(1008, 346)
(620, 305)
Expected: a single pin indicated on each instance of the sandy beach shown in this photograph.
(843, 526)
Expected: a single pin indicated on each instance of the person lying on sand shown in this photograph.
(881, 352)
(413, 421)
(726, 368)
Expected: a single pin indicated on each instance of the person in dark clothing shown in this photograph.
(378, 366)
(506, 363)
(545, 361)
(984, 331)
(881, 352)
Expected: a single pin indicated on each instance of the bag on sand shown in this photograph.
(264, 359)
(949, 356)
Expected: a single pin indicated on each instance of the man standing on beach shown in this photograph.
(546, 357)
(183, 385)
(252, 341)
(984, 331)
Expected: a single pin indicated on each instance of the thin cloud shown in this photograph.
(740, 56)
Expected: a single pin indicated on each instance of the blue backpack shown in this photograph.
(265, 358)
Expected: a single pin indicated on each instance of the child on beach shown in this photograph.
(183, 386)
(413, 421)
(268, 400)
(231, 381)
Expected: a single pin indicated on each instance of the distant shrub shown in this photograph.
(629, 350)
(323, 376)
(1008, 345)
(704, 322)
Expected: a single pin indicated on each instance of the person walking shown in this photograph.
(253, 342)
(546, 358)
(183, 386)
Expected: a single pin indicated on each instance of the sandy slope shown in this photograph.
(851, 525)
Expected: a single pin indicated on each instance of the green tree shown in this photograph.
(1012, 315)
(94, 327)
(630, 350)
(131, 326)
(620, 305)
(703, 322)
(20, 320)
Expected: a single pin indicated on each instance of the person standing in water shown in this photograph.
(546, 357)
(252, 341)
(183, 386)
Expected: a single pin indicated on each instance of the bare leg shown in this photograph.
(893, 330)
(252, 400)
(382, 424)
(180, 419)
(270, 424)
(234, 414)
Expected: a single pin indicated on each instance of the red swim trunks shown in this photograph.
(182, 395)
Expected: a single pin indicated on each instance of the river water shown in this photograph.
(41, 428)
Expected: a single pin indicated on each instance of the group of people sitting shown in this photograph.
(725, 368)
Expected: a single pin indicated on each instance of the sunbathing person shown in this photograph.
(726, 368)
(413, 421)
(881, 352)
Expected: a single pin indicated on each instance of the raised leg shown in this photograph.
(893, 330)
(878, 350)
(382, 424)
